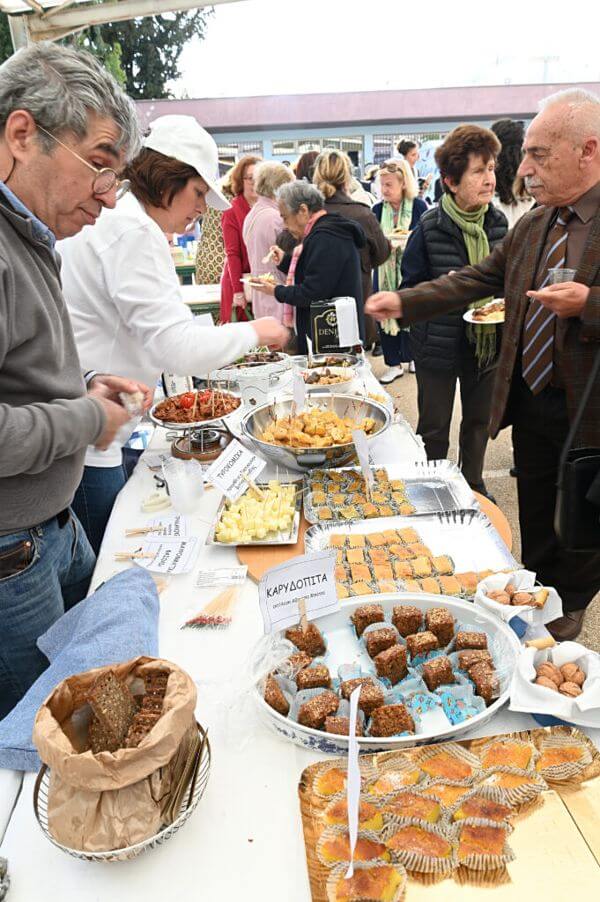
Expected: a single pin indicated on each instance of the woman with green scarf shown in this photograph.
(462, 229)
(398, 213)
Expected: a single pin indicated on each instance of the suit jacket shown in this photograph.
(510, 271)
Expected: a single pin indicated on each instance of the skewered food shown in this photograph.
(193, 407)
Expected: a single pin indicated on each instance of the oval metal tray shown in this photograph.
(191, 798)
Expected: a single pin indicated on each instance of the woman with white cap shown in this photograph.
(125, 299)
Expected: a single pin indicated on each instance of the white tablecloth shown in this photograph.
(245, 838)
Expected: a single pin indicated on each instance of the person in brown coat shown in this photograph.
(551, 332)
(333, 176)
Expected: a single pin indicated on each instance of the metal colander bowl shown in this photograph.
(303, 459)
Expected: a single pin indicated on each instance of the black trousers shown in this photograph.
(540, 427)
(436, 390)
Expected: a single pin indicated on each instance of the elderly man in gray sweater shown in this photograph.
(66, 129)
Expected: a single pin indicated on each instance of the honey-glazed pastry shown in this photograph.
(408, 535)
(315, 677)
(372, 882)
(412, 585)
(342, 590)
(309, 640)
(340, 573)
(369, 815)
(468, 581)
(355, 555)
(365, 615)
(453, 764)
(376, 539)
(512, 786)
(333, 847)
(371, 693)
(562, 757)
(447, 793)
(403, 569)
(402, 552)
(431, 585)
(379, 556)
(393, 781)
(379, 639)
(483, 846)
(383, 572)
(370, 510)
(418, 549)
(313, 712)
(298, 661)
(420, 848)
(440, 622)
(438, 672)
(275, 698)
(466, 659)
(421, 643)
(385, 586)
(479, 806)
(360, 573)
(391, 663)
(443, 564)
(507, 753)
(486, 682)
(357, 541)
(361, 589)
(330, 781)
(465, 639)
(390, 720)
(422, 566)
(325, 513)
(449, 585)
(409, 804)
(341, 726)
(391, 536)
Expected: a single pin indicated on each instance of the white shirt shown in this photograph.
(128, 315)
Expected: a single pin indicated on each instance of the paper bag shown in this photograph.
(113, 799)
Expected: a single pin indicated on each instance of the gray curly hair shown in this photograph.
(294, 194)
(60, 87)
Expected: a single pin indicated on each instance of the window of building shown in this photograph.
(384, 146)
(292, 148)
(231, 153)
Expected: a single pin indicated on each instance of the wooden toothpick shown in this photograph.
(303, 617)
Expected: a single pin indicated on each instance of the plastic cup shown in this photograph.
(185, 481)
(561, 274)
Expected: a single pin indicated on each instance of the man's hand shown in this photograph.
(106, 386)
(116, 416)
(270, 332)
(384, 305)
(565, 298)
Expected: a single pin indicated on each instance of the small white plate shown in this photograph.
(468, 316)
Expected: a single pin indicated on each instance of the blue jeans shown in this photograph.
(52, 574)
(97, 493)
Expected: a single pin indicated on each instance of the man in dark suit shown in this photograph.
(551, 332)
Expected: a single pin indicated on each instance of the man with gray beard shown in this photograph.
(551, 333)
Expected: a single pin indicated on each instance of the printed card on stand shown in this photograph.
(309, 578)
(234, 470)
(170, 556)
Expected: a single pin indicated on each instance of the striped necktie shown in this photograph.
(538, 330)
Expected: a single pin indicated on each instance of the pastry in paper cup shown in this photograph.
(448, 792)
(480, 803)
(329, 779)
(419, 846)
(513, 786)
(548, 604)
(448, 762)
(483, 845)
(412, 804)
(372, 881)
(333, 847)
(507, 752)
(562, 757)
(370, 816)
(392, 777)
(279, 693)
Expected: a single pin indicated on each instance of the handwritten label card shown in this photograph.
(169, 556)
(310, 577)
(175, 527)
(227, 472)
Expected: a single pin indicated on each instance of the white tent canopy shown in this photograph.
(50, 20)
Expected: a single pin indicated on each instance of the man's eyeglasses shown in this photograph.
(105, 179)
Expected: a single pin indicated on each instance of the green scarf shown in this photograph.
(389, 276)
(471, 224)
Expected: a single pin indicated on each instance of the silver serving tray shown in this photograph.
(467, 536)
(184, 427)
(343, 648)
(279, 538)
(431, 487)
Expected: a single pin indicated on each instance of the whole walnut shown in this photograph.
(510, 590)
(549, 684)
(551, 672)
(573, 674)
(499, 596)
(571, 689)
(522, 598)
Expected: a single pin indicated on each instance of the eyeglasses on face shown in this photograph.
(105, 179)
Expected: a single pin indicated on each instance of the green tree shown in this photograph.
(6, 47)
(151, 47)
(109, 54)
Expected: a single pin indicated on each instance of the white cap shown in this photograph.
(182, 138)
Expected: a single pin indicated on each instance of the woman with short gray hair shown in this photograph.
(326, 264)
(261, 227)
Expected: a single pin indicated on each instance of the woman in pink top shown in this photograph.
(236, 256)
(261, 226)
